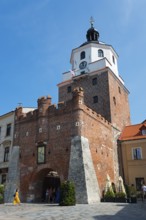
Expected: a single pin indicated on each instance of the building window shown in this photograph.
(41, 154)
(8, 131)
(113, 59)
(100, 53)
(82, 55)
(139, 182)
(114, 100)
(6, 154)
(40, 130)
(94, 81)
(143, 131)
(58, 127)
(119, 89)
(69, 89)
(95, 99)
(3, 180)
(27, 133)
(137, 153)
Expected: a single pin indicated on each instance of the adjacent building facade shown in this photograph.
(132, 147)
(6, 143)
(77, 139)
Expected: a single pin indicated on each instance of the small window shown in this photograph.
(8, 131)
(41, 154)
(58, 127)
(119, 89)
(95, 99)
(3, 180)
(83, 72)
(69, 89)
(137, 153)
(94, 81)
(40, 130)
(100, 53)
(27, 133)
(143, 131)
(113, 59)
(114, 100)
(82, 55)
(6, 154)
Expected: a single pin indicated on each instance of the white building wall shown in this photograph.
(91, 51)
(6, 141)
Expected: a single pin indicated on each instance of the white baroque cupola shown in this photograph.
(92, 56)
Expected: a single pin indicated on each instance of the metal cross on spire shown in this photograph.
(91, 21)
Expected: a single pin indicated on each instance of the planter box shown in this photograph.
(108, 200)
(133, 200)
(122, 200)
(128, 200)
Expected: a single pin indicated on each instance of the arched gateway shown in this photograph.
(44, 180)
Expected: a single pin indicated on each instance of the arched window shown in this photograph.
(100, 53)
(82, 55)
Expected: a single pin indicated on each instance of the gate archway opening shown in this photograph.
(51, 185)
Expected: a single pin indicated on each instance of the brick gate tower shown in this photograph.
(95, 69)
(77, 139)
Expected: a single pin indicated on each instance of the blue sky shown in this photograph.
(37, 36)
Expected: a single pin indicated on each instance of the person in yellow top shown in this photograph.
(16, 200)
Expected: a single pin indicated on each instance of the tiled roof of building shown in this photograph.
(133, 132)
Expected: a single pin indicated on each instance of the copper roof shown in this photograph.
(133, 132)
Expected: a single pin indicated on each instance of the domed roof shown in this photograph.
(92, 33)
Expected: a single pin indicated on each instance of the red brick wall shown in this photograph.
(74, 119)
(106, 88)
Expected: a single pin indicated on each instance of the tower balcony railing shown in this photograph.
(91, 67)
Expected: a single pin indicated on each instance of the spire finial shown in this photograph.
(91, 21)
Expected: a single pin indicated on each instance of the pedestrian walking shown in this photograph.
(143, 191)
(16, 200)
(47, 196)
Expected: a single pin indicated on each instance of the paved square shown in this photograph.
(100, 211)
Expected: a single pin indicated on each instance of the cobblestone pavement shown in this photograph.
(100, 211)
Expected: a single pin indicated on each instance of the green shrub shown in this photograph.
(133, 192)
(127, 188)
(1, 188)
(1, 199)
(1, 193)
(120, 195)
(67, 194)
(109, 194)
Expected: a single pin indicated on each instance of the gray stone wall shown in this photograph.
(82, 173)
(13, 175)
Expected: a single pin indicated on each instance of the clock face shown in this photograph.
(83, 65)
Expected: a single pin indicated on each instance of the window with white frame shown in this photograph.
(6, 154)
(82, 55)
(41, 150)
(137, 153)
(8, 130)
(100, 53)
(143, 131)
